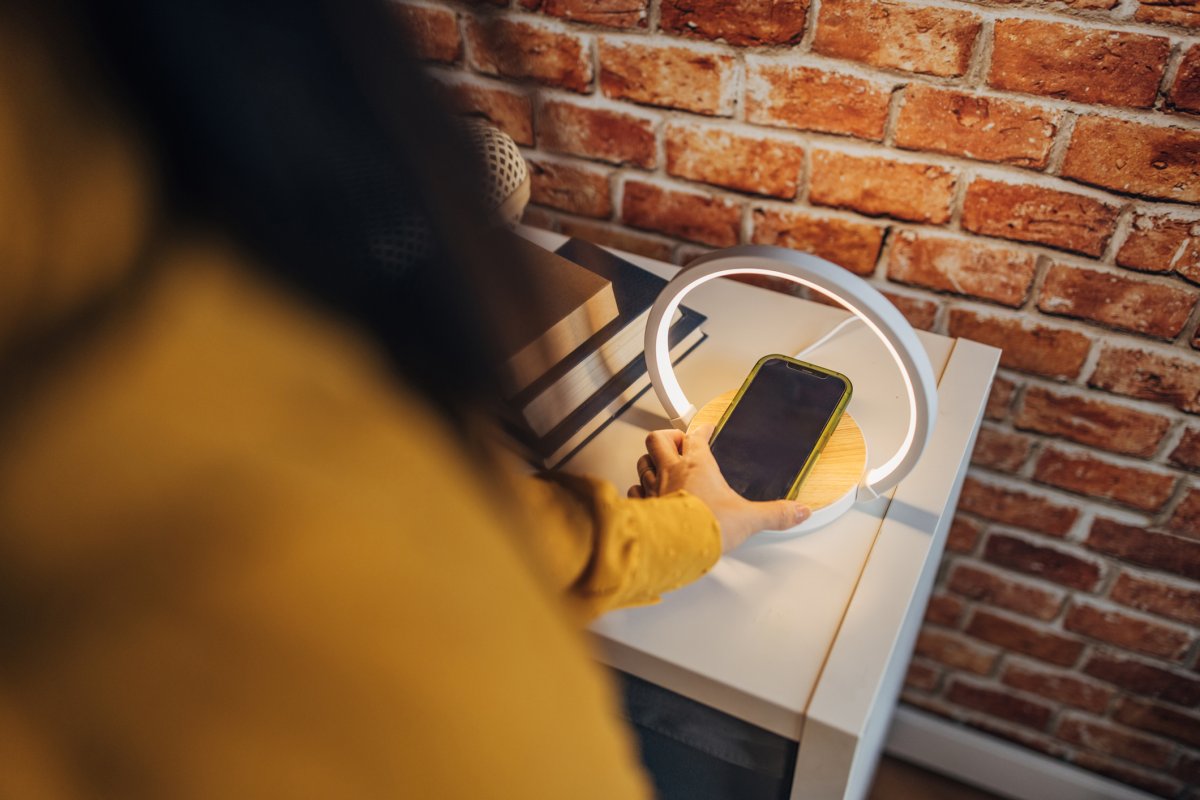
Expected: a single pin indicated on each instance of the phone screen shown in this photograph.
(774, 428)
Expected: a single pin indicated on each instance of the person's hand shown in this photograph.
(675, 461)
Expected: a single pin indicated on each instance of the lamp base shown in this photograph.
(831, 487)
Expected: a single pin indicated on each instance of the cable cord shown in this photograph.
(832, 334)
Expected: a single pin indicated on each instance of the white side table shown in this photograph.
(808, 637)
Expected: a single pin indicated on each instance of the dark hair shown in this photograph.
(302, 129)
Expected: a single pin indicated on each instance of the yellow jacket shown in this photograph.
(237, 559)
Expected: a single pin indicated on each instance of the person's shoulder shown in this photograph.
(261, 492)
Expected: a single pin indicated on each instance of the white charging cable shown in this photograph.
(841, 326)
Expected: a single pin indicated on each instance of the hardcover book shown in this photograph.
(580, 395)
(574, 303)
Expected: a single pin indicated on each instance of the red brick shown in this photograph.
(1087, 475)
(882, 186)
(853, 245)
(1038, 57)
(1014, 507)
(611, 136)
(1127, 303)
(931, 704)
(1150, 376)
(1027, 346)
(578, 189)
(944, 609)
(1152, 782)
(965, 267)
(1172, 12)
(999, 704)
(989, 129)
(738, 22)
(1000, 450)
(1158, 550)
(921, 314)
(697, 217)
(1000, 398)
(1085, 5)
(617, 238)
(986, 586)
(1144, 679)
(922, 676)
(963, 535)
(507, 110)
(811, 99)
(1104, 738)
(1162, 244)
(1187, 452)
(1049, 563)
(955, 651)
(1185, 91)
(668, 76)
(1059, 686)
(1158, 597)
(1041, 643)
(432, 33)
(748, 163)
(1036, 214)
(1185, 519)
(934, 41)
(1135, 158)
(516, 49)
(1158, 719)
(1127, 631)
(1188, 769)
(1091, 422)
(613, 13)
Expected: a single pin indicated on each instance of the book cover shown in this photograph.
(635, 290)
(574, 302)
(605, 405)
(552, 405)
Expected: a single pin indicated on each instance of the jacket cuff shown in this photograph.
(681, 541)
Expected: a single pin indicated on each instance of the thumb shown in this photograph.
(698, 438)
(779, 515)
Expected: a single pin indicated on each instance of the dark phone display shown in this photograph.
(774, 427)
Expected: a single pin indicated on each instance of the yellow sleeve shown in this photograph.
(278, 575)
(608, 551)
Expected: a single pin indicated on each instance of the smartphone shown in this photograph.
(770, 436)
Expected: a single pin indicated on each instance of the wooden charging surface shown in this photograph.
(839, 468)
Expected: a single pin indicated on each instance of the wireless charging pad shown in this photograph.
(844, 288)
(831, 487)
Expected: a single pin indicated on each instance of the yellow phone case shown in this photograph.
(825, 433)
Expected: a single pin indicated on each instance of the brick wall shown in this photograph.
(1024, 176)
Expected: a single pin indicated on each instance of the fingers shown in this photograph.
(662, 451)
(647, 475)
(635, 492)
(664, 447)
(645, 463)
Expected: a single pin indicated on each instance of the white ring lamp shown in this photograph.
(841, 286)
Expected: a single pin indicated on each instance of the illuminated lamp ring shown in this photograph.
(836, 283)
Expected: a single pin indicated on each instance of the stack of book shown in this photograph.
(579, 361)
